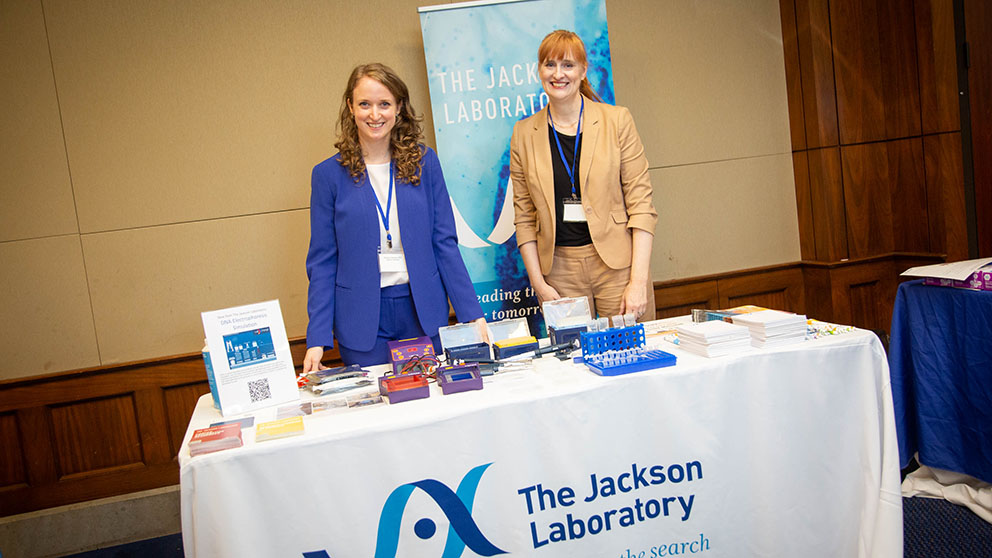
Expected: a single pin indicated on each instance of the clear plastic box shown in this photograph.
(567, 312)
(509, 329)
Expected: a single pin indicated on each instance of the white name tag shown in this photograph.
(391, 262)
(573, 212)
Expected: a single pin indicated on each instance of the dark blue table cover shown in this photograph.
(940, 358)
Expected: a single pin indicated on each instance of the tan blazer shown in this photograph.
(613, 173)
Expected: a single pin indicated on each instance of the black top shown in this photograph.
(566, 234)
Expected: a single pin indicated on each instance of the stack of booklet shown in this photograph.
(338, 380)
(771, 328)
(279, 428)
(713, 338)
(215, 438)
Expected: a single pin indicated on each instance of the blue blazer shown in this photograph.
(343, 265)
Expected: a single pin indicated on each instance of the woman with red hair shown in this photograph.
(582, 195)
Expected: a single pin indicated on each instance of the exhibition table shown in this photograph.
(941, 359)
(785, 452)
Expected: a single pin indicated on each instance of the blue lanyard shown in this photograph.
(389, 204)
(575, 153)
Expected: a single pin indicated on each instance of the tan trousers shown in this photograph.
(579, 271)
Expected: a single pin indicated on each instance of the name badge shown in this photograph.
(573, 212)
(392, 262)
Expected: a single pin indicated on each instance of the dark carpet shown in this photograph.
(932, 529)
(169, 546)
(939, 529)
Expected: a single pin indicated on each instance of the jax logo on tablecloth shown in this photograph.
(457, 507)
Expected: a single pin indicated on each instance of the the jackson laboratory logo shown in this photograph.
(457, 507)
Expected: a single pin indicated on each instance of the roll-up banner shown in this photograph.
(482, 73)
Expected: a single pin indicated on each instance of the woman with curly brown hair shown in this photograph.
(383, 260)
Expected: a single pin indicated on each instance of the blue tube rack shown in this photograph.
(621, 350)
(618, 338)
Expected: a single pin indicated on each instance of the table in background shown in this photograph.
(773, 453)
(940, 354)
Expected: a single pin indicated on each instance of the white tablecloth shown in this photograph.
(788, 452)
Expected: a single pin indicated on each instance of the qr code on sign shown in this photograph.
(259, 390)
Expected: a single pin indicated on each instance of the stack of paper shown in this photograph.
(771, 328)
(280, 428)
(713, 338)
(970, 274)
(215, 438)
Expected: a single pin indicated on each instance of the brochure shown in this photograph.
(280, 428)
(250, 356)
(215, 438)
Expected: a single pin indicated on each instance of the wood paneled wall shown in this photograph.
(93, 433)
(100, 432)
(978, 30)
(875, 124)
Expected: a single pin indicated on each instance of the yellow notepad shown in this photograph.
(275, 429)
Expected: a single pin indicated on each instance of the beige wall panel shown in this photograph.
(45, 320)
(183, 110)
(34, 178)
(149, 285)
(705, 81)
(718, 217)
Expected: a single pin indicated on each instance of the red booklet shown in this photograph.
(215, 438)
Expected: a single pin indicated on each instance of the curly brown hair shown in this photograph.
(404, 138)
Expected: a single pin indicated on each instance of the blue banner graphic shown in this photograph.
(482, 74)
